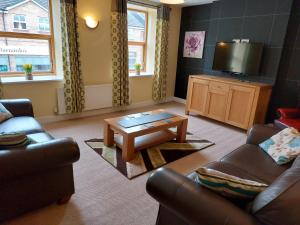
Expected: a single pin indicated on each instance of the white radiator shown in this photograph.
(96, 97)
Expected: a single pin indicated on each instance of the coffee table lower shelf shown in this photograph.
(148, 140)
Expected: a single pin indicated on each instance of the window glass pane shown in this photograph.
(136, 26)
(22, 18)
(44, 24)
(17, 17)
(15, 52)
(16, 25)
(23, 26)
(136, 55)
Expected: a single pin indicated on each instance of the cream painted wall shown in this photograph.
(95, 48)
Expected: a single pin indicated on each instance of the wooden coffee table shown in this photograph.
(136, 138)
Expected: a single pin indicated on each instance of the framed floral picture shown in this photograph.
(194, 44)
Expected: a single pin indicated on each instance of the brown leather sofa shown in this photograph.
(38, 174)
(183, 201)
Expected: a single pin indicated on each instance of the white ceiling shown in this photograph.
(192, 2)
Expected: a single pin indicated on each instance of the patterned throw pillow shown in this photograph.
(228, 185)
(284, 146)
(13, 140)
(4, 113)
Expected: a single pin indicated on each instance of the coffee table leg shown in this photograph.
(108, 135)
(128, 148)
(181, 131)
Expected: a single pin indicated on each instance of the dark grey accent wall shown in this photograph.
(263, 21)
(286, 92)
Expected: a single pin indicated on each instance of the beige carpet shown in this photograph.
(103, 195)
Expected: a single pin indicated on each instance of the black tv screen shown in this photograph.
(240, 58)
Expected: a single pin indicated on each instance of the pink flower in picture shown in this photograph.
(193, 44)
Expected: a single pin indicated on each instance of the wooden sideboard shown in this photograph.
(238, 103)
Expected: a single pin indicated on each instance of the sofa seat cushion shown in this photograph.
(40, 137)
(256, 162)
(22, 124)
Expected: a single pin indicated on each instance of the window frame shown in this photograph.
(141, 43)
(37, 36)
(19, 22)
(43, 24)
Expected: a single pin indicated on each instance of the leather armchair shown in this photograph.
(289, 117)
(185, 202)
(38, 174)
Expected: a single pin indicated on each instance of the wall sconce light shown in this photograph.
(91, 22)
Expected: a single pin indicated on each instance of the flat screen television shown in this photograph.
(238, 58)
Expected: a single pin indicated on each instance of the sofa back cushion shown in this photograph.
(279, 203)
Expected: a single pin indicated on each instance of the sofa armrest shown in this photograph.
(193, 203)
(37, 158)
(289, 113)
(260, 133)
(18, 107)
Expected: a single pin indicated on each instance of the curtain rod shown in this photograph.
(143, 4)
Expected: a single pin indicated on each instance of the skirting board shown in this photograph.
(57, 118)
(179, 100)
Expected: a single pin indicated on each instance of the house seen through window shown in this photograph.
(137, 37)
(26, 37)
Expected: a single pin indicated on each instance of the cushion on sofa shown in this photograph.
(233, 170)
(4, 113)
(22, 124)
(228, 185)
(279, 203)
(265, 168)
(284, 146)
(13, 140)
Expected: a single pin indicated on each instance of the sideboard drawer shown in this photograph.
(218, 86)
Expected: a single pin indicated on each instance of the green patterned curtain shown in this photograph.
(119, 53)
(159, 90)
(73, 86)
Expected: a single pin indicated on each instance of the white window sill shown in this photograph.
(36, 79)
(145, 74)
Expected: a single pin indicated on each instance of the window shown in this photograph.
(3, 64)
(137, 37)
(20, 22)
(29, 40)
(44, 24)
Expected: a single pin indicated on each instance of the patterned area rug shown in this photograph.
(148, 159)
